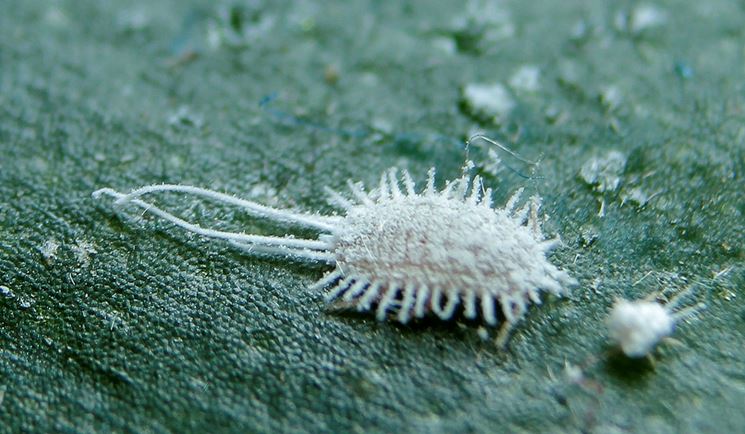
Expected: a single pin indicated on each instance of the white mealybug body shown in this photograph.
(638, 326)
(409, 253)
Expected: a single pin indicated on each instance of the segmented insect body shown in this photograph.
(407, 254)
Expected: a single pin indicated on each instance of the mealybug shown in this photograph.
(408, 253)
(638, 326)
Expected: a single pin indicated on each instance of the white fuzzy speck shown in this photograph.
(445, 44)
(635, 195)
(56, 17)
(49, 250)
(611, 97)
(638, 326)
(183, 116)
(83, 251)
(264, 191)
(224, 32)
(492, 100)
(25, 302)
(494, 163)
(491, 17)
(604, 172)
(646, 16)
(526, 79)
(573, 373)
(6, 292)
(133, 20)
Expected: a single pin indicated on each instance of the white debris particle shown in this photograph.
(232, 29)
(56, 17)
(491, 16)
(381, 124)
(604, 173)
(214, 36)
(646, 16)
(635, 195)
(611, 97)
(183, 116)
(729, 295)
(304, 16)
(26, 302)
(621, 21)
(638, 326)
(494, 165)
(492, 100)
(526, 79)
(133, 20)
(6, 292)
(83, 251)
(573, 373)
(589, 235)
(555, 115)
(579, 30)
(49, 250)
(265, 192)
(445, 44)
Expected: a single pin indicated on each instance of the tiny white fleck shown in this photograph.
(382, 124)
(604, 173)
(6, 292)
(56, 17)
(264, 191)
(26, 302)
(636, 195)
(491, 18)
(494, 165)
(573, 373)
(49, 250)
(526, 78)
(646, 16)
(638, 326)
(611, 97)
(445, 44)
(492, 100)
(83, 251)
(579, 30)
(133, 20)
(183, 116)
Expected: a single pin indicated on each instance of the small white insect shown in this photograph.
(408, 253)
(638, 326)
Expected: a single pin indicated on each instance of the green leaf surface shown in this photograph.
(114, 321)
